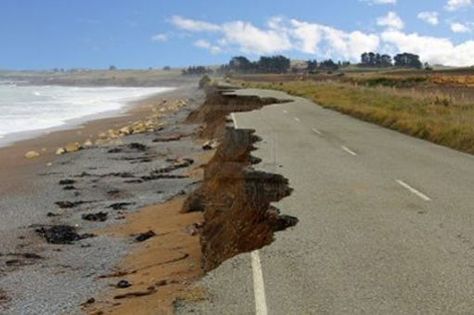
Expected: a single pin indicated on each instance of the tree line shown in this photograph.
(197, 70)
(278, 64)
(404, 60)
(274, 64)
(282, 64)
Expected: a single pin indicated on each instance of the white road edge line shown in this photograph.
(297, 119)
(258, 285)
(413, 190)
(317, 131)
(348, 150)
(232, 115)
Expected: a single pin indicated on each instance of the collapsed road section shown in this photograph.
(234, 197)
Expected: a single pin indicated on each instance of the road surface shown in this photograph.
(386, 222)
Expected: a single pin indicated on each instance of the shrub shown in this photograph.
(204, 82)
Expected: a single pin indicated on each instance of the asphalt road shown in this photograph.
(386, 222)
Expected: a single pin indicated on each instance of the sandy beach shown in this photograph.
(117, 192)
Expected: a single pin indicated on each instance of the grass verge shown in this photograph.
(428, 116)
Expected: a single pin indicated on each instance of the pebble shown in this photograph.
(32, 155)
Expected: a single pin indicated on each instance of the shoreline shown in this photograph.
(13, 164)
(78, 122)
(49, 278)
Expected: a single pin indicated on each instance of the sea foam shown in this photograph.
(33, 109)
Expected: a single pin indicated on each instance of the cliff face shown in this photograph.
(234, 197)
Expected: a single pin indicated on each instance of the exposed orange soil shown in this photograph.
(161, 268)
(234, 198)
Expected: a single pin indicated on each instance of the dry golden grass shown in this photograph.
(427, 114)
(463, 80)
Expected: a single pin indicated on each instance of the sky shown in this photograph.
(46, 34)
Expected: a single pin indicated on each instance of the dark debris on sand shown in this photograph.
(138, 146)
(145, 236)
(67, 182)
(96, 217)
(68, 204)
(26, 255)
(123, 284)
(121, 205)
(3, 297)
(61, 234)
(170, 138)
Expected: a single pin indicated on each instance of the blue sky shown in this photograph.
(154, 33)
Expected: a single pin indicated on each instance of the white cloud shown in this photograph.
(375, 2)
(193, 25)
(460, 28)
(391, 21)
(316, 38)
(430, 17)
(281, 35)
(307, 35)
(251, 39)
(453, 5)
(244, 35)
(160, 37)
(207, 45)
(434, 50)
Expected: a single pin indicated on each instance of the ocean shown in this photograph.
(27, 111)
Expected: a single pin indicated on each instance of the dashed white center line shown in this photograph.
(258, 284)
(413, 190)
(317, 131)
(348, 150)
(297, 119)
(285, 111)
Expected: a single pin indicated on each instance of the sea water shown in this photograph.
(26, 111)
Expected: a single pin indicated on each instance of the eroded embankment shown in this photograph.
(213, 114)
(235, 198)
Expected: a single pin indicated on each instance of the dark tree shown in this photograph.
(275, 64)
(328, 65)
(370, 59)
(198, 71)
(408, 60)
(204, 82)
(386, 61)
(364, 59)
(312, 66)
(223, 70)
(241, 64)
